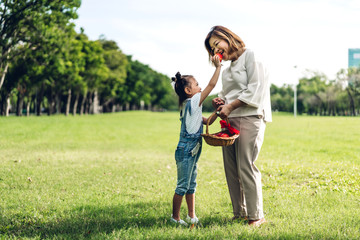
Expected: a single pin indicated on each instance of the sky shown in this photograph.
(292, 37)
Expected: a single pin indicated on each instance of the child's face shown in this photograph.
(219, 46)
(193, 88)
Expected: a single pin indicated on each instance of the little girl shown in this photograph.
(189, 147)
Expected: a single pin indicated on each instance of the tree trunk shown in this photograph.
(88, 103)
(39, 99)
(82, 107)
(352, 105)
(7, 109)
(58, 103)
(28, 108)
(3, 74)
(95, 103)
(51, 103)
(20, 104)
(68, 103)
(76, 104)
(38, 107)
(109, 106)
(2, 106)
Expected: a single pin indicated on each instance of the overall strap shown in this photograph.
(184, 133)
(183, 115)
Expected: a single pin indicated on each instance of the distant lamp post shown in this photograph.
(295, 94)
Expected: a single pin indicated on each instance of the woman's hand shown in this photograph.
(217, 102)
(224, 110)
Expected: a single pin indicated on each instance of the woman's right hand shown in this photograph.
(224, 111)
(217, 102)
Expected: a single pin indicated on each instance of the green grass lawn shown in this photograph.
(113, 176)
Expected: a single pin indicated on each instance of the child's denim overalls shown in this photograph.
(186, 155)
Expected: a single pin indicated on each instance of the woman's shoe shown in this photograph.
(235, 218)
(257, 223)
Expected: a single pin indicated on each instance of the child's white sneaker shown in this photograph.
(179, 222)
(193, 220)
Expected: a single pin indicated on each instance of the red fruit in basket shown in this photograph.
(227, 126)
(220, 56)
(221, 134)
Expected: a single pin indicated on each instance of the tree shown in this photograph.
(144, 85)
(350, 78)
(138, 83)
(310, 91)
(112, 88)
(162, 93)
(26, 23)
(95, 72)
(282, 98)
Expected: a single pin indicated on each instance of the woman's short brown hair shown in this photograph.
(234, 41)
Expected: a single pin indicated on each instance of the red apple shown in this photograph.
(221, 134)
(220, 56)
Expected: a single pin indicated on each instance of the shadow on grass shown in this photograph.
(91, 220)
(87, 220)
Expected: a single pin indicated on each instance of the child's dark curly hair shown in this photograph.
(181, 82)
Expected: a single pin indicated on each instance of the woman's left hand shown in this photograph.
(224, 110)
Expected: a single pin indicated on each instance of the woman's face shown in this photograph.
(219, 46)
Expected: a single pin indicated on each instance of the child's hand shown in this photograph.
(217, 102)
(216, 60)
(220, 56)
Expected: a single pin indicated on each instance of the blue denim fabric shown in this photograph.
(186, 155)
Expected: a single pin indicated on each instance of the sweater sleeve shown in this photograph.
(256, 75)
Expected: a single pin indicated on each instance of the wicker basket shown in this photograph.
(213, 140)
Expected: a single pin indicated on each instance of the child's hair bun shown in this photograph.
(177, 77)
